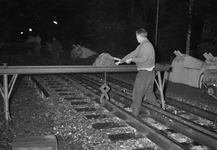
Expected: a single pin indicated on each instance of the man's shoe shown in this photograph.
(147, 113)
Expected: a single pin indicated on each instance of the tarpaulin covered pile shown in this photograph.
(104, 60)
(189, 70)
(81, 52)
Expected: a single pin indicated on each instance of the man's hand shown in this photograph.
(115, 58)
(118, 60)
(128, 61)
(117, 63)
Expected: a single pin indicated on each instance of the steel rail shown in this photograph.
(63, 69)
(43, 92)
(151, 133)
(190, 129)
(183, 106)
(118, 82)
(71, 69)
(192, 109)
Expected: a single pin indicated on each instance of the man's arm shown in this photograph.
(130, 55)
(143, 58)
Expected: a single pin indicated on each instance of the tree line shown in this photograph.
(109, 25)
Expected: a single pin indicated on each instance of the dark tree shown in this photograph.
(209, 32)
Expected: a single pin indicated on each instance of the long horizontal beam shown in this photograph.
(16, 70)
(71, 69)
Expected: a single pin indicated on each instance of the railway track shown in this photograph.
(177, 107)
(166, 128)
(99, 121)
(187, 120)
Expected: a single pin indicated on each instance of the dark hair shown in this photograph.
(142, 32)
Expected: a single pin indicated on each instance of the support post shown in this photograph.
(160, 84)
(6, 104)
(6, 90)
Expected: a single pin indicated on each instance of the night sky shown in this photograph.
(109, 25)
(21, 16)
(50, 17)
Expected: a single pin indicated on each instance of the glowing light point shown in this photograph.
(30, 29)
(55, 22)
(21, 32)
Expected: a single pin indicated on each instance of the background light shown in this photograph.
(55, 22)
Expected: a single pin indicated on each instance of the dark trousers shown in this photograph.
(143, 86)
(56, 56)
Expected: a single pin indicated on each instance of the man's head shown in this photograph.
(141, 34)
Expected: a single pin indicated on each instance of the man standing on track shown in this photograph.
(56, 49)
(144, 57)
(37, 43)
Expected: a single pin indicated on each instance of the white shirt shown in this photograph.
(148, 69)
